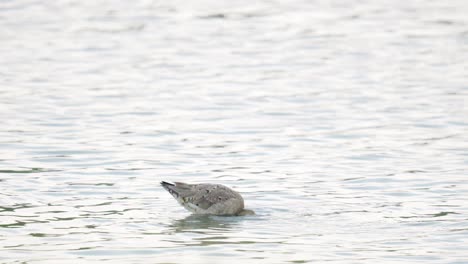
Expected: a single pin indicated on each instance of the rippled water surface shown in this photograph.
(344, 124)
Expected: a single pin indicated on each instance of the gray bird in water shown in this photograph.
(206, 198)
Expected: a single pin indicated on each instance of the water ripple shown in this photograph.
(342, 124)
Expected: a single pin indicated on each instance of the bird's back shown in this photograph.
(206, 198)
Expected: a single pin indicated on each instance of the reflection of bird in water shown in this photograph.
(205, 198)
(212, 230)
(201, 223)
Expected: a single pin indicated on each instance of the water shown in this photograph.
(344, 126)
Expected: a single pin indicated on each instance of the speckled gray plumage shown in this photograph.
(205, 198)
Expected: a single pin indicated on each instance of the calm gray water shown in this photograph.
(343, 123)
